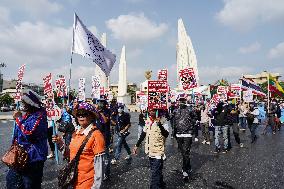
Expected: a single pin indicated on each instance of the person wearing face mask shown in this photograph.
(31, 133)
(123, 125)
(156, 130)
(185, 119)
(253, 121)
(91, 162)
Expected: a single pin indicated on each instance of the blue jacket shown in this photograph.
(31, 132)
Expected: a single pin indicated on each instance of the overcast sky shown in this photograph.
(230, 37)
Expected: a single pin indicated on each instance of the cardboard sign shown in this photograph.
(21, 71)
(81, 90)
(235, 91)
(187, 78)
(163, 75)
(248, 96)
(157, 95)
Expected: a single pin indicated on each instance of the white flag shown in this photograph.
(87, 45)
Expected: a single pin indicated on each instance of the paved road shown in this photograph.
(257, 165)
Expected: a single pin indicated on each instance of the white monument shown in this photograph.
(122, 95)
(98, 71)
(185, 53)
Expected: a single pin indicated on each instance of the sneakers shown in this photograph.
(208, 143)
(185, 176)
(225, 151)
(217, 151)
(50, 156)
(114, 162)
(241, 145)
(195, 139)
(203, 142)
(128, 157)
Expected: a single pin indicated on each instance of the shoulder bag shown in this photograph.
(68, 174)
(16, 157)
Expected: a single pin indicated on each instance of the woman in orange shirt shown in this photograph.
(90, 167)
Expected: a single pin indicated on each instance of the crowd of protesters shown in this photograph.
(106, 126)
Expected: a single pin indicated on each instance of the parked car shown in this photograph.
(5, 109)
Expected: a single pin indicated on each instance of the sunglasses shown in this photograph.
(83, 115)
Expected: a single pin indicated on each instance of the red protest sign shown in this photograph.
(157, 95)
(163, 75)
(47, 87)
(60, 85)
(187, 78)
(235, 91)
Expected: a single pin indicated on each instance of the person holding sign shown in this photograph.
(155, 131)
(31, 133)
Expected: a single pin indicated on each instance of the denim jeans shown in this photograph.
(121, 140)
(218, 131)
(243, 122)
(252, 129)
(140, 129)
(29, 178)
(156, 166)
(184, 145)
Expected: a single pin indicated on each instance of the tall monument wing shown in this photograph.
(122, 82)
(185, 53)
(122, 95)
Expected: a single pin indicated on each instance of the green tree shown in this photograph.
(6, 100)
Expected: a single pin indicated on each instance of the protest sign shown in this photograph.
(96, 83)
(248, 96)
(21, 71)
(235, 91)
(60, 86)
(157, 95)
(163, 75)
(81, 90)
(187, 78)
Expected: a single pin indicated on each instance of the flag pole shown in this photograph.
(70, 75)
(268, 93)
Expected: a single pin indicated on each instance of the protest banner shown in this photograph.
(81, 90)
(96, 83)
(187, 78)
(163, 75)
(235, 91)
(157, 95)
(21, 71)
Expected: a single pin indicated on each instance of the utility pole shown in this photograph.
(2, 65)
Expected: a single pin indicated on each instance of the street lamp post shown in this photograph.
(2, 65)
